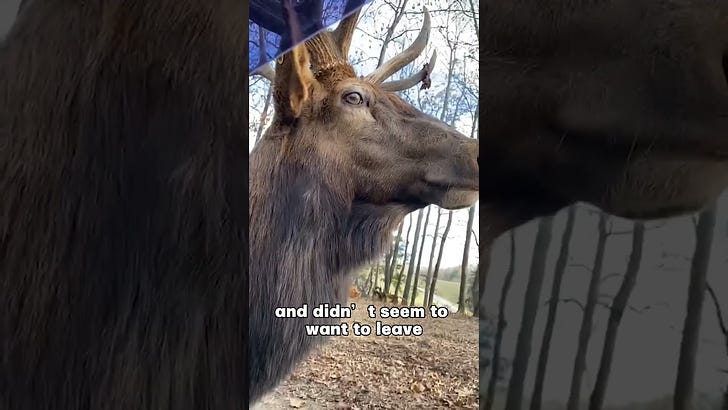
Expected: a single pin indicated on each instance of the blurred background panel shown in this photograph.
(271, 24)
(8, 11)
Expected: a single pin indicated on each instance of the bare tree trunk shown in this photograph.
(495, 365)
(592, 298)
(428, 280)
(387, 261)
(468, 234)
(723, 325)
(683, 396)
(376, 278)
(401, 272)
(474, 17)
(269, 94)
(450, 70)
(466, 254)
(474, 295)
(619, 304)
(404, 257)
(561, 263)
(264, 113)
(439, 258)
(376, 274)
(369, 280)
(412, 262)
(530, 309)
(399, 10)
(419, 257)
(391, 261)
(483, 270)
(492, 224)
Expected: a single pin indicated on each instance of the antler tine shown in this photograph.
(322, 50)
(405, 57)
(345, 32)
(422, 75)
(328, 65)
(265, 71)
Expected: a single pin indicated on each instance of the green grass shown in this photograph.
(448, 290)
(444, 289)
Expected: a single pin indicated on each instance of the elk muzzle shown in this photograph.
(456, 181)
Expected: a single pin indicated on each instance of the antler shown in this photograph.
(405, 57)
(345, 32)
(331, 48)
(421, 76)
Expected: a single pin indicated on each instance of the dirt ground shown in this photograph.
(437, 370)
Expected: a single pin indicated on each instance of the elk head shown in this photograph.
(360, 136)
(623, 105)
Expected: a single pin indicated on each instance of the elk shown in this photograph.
(619, 104)
(344, 160)
(123, 240)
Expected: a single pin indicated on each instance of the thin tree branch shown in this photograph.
(580, 265)
(718, 311)
(569, 300)
(615, 233)
(666, 268)
(676, 256)
(603, 304)
(609, 276)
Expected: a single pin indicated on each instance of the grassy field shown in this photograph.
(448, 290)
(444, 289)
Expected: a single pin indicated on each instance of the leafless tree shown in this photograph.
(561, 264)
(683, 396)
(616, 311)
(428, 281)
(592, 299)
(412, 261)
(530, 308)
(439, 258)
(419, 257)
(495, 364)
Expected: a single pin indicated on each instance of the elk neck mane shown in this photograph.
(307, 233)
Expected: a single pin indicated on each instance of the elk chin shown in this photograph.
(457, 198)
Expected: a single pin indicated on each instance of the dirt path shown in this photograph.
(437, 370)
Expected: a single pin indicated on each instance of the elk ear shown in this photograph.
(302, 82)
(294, 83)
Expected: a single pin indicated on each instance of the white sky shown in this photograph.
(365, 49)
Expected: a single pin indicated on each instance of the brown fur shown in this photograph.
(122, 230)
(622, 104)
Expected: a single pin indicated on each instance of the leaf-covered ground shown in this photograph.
(437, 370)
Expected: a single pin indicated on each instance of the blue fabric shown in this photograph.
(270, 15)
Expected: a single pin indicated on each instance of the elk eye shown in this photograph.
(353, 98)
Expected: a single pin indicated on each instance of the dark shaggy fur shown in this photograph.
(302, 248)
(622, 104)
(122, 204)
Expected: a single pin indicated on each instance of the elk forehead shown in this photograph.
(353, 82)
(400, 105)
